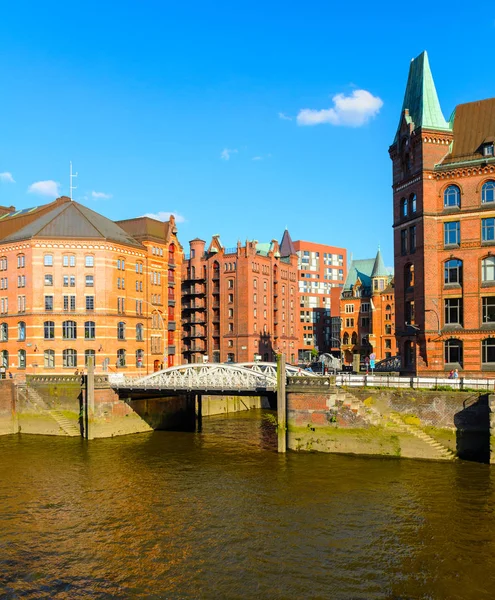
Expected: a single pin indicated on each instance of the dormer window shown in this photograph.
(488, 149)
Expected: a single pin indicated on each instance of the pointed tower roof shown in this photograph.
(379, 269)
(287, 245)
(421, 99)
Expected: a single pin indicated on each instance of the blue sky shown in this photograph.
(241, 118)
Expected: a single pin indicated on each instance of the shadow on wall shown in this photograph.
(473, 429)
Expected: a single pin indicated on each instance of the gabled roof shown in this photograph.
(146, 228)
(360, 269)
(67, 219)
(286, 245)
(379, 269)
(421, 99)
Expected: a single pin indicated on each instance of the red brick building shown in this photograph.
(74, 284)
(239, 303)
(367, 311)
(444, 231)
(322, 272)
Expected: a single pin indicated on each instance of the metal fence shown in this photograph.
(428, 383)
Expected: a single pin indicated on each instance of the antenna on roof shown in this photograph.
(72, 175)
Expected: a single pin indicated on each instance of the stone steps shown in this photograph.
(444, 452)
(67, 426)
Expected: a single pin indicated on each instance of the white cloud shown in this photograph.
(45, 188)
(165, 216)
(226, 152)
(257, 158)
(100, 195)
(284, 117)
(349, 111)
(6, 177)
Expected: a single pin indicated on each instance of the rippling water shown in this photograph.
(219, 514)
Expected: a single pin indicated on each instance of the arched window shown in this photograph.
(345, 339)
(4, 332)
(453, 271)
(404, 207)
(354, 338)
(49, 330)
(87, 355)
(4, 358)
(409, 353)
(453, 352)
(139, 358)
(171, 254)
(49, 359)
(488, 269)
(69, 358)
(488, 351)
(452, 196)
(408, 276)
(388, 308)
(412, 203)
(21, 359)
(388, 329)
(21, 331)
(488, 192)
(69, 330)
(216, 270)
(89, 330)
(121, 330)
(139, 332)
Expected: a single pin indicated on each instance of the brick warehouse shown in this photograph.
(367, 309)
(444, 231)
(239, 303)
(75, 284)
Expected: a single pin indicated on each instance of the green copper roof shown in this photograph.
(359, 269)
(379, 269)
(421, 97)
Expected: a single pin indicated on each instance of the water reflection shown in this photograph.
(221, 515)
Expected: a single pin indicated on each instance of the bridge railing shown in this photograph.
(431, 383)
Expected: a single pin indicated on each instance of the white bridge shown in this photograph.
(217, 378)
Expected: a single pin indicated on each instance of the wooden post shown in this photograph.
(281, 404)
(90, 400)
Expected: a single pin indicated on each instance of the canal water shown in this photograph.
(219, 514)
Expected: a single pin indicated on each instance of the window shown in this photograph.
(21, 261)
(231, 298)
(69, 330)
(408, 277)
(90, 302)
(365, 321)
(345, 339)
(48, 303)
(452, 197)
(230, 284)
(231, 313)
(413, 203)
(354, 338)
(488, 310)
(488, 230)
(69, 358)
(21, 331)
(453, 271)
(349, 322)
(488, 192)
(4, 358)
(48, 279)
(452, 233)
(21, 358)
(488, 149)
(410, 312)
(69, 303)
(21, 304)
(488, 351)
(89, 330)
(89, 281)
(48, 260)
(403, 241)
(488, 269)
(66, 281)
(3, 263)
(89, 261)
(68, 260)
(121, 330)
(349, 308)
(49, 330)
(453, 311)
(453, 352)
(72, 281)
(139, 332)
(49, 359)
(404, 207)
(388, 329)
(87, 355)
(412, 238)
(4, 332)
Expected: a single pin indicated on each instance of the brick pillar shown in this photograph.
(281, 404)
(491, 408)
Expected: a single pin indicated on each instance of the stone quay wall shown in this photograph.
(426, 424)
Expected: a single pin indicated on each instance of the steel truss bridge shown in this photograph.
(253, 378)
